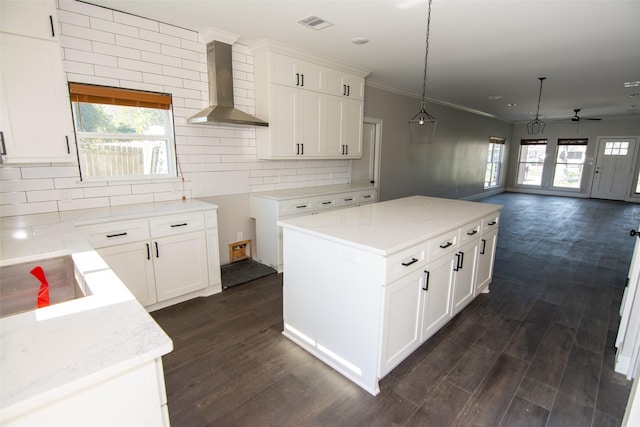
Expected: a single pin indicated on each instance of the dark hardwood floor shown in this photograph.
(538, 350)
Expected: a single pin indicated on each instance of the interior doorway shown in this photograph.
(366, 170)
(614, 168)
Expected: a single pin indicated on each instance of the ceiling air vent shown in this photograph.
(315, 22)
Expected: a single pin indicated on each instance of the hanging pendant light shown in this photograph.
(536, 126)
(423, 125)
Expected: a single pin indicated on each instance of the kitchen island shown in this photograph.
(365, 286)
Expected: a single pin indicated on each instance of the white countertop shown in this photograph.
(296, 193)
(388, 227)
(54, 351)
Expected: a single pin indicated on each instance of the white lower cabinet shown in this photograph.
(465, 271)
(131, 263)
(486, 259)
(164, 259)
(403, 300)
(436, 296)
(180, 264)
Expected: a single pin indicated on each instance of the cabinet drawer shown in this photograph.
(406, 261)
(116, 233)
(490, 223)
(347, 199)
(470, 231)
(296, 207)
(326, 202)
(367, 196)
(176, 224)
(443, 244)
(211, 219)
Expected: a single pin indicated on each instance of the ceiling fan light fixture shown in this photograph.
(422, 126)
(536, 126)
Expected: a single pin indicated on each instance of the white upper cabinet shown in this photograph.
(31, 18)
(36, 115)
(310, 113)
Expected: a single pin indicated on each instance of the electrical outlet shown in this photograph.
(240, 236)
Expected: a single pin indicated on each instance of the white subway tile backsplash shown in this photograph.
(28, 208)
(179, 52)
(69, 17)
(87, 33)
(136, 21)
(135, 43)
(131, 64)
(43, 195)
(141, 86)
(78, 67)
(159, 79)
(117, 73)
(75, 43)
(114, 27)
(119, 51)
(130, 199)
(71, 205)
(85, 9)
(27, 184)
(13, 198)
(160, 59)
(50, 172)
(90, 57)
(161, 38)
(10, 173)
(193, 45)
(178, 32)
(180, 72)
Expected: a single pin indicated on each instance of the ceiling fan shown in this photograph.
(577, 118)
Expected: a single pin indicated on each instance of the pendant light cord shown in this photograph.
(426, 55)
(540, 95)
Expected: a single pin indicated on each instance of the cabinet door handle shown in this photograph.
(346, 150)
(446, 245)
(344, 90)
(302, 80)
(484, 246)
(68, 149)
(461, 260)
(413, 261)
(53, 32)
(471, 233)
(179, 225)
(302, 149)
(348, 90)
(426, 281)
(116, 235)
(297, 79)
(491, 223)
(632, 233)
(457, 267)
(297, 149)
(157, 251)
(148, 251)
(4, 147)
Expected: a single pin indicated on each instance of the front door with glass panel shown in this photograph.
(614, 168)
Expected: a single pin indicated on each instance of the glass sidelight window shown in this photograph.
(122, 133)
(531, 161)
(494, 162)
(569, 163)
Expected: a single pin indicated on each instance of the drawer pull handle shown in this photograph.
(484, 246)
(179, 225)
(471, 233)
(148, 251)
(350, 199)
(326, 203)
(368, 196)
(446, 245)
(413, 261)
(116, 235)
(157, 251)
(301, 206)
(426, 281)
(492, 223)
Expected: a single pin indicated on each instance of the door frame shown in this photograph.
(629, 195)
(377, 123)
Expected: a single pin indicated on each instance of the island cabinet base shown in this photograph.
(362, 310)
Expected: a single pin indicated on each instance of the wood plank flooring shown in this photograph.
(538, 350)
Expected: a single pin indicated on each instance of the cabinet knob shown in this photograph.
(634, 233)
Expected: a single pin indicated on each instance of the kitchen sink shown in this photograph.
(19, 288)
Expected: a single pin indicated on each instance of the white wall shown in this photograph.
(629, 126)
(453, 166)
(105, 47)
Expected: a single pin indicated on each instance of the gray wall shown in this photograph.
(453, 166)
(629, 126)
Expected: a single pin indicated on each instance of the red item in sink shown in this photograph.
(43, 293)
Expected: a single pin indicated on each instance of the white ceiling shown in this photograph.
(477, 48)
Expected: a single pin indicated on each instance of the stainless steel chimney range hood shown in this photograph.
(222, 111)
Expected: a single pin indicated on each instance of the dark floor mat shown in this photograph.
(243, 271)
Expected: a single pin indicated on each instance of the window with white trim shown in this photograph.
(494, 162)
(569, 163)
(123, 133)
(531, 161)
